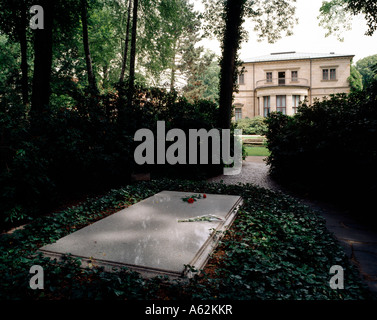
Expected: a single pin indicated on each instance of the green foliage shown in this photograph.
(210, 80)
(276, 249)
(225, 19)
(335, 18)
(256, 126)
(355, 80)
(105, 44)
(87, 145)
(170, 31)
(329, 149)
(200, 71)
(260, 12)
(365, 68)
(164, 27)
(336, 15)
(9, 68)
(369, 9)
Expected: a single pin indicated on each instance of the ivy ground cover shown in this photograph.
(277, 249)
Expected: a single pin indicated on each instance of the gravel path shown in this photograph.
(254, 170)
(358, 240)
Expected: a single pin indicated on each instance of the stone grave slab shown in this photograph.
(156, 236)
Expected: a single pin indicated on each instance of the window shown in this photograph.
(325, 74)
(268, 76)
(238, 113)
(241, 79)
(280, 104)
(294, 75)
(281, 76)
(332, 74)
(296, 102)
(266, 106)
(329, 74)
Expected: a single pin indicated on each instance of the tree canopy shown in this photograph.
(355, 79)
(225, 21)
(336, 16)
(88, 43)
(367, 69)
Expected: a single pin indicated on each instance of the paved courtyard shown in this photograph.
(358, 240)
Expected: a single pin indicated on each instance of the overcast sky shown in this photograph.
(308, 36)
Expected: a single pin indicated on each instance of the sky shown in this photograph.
(307, 36)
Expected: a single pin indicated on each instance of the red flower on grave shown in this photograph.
(190, 200)
(204, 196)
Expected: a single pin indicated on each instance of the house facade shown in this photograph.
(279, 81)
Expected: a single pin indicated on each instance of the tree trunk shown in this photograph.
(133, 46)
(88, 59)
(105, 71)
(42, 65)
(24, 65)
(173, 68)
(231, 42)
(172, 75)
(121, 79)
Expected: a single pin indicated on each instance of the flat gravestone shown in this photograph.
(157, 236)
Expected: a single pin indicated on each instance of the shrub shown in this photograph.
(87, 146)
(329, 148)
(256, 126)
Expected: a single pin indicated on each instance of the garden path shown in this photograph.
(358, 240)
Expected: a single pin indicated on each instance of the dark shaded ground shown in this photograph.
(358, 239)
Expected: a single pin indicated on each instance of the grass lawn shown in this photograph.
(277, 248)
(257, 151)
(251, 136)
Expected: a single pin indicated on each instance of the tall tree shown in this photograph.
(195, 68)
(43, 42)
(61, 26)
(133, 45)
(270, 17)
(105, 34)
(23, 43)
(125, 53)
(210, 80)
(84, 18)
(365, 67)
(234, 17)
(14, 23)
(164, 29)
(155, 43)
(355, 80)
(183, 30)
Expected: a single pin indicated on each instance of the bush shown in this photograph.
(86, 147)
(256, 126)
(329, 148)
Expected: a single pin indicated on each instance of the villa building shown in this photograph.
(279, 81)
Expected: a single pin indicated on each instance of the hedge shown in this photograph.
(85, 146)
(329, 149)
(255, 126)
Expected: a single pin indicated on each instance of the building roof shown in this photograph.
(293, 55)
